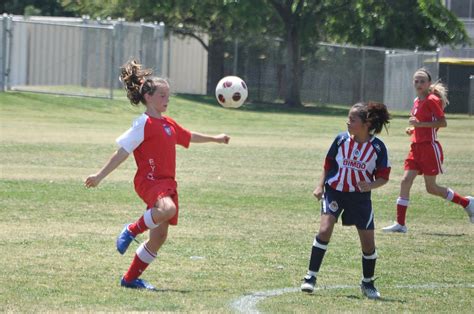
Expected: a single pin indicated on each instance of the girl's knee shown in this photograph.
(324, 234)
(166, 208)
(434, 189)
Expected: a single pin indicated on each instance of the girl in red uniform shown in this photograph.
(152, 139)
(426, 155)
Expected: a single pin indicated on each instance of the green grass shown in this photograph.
(247, 208)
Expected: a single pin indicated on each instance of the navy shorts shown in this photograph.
(356, 207)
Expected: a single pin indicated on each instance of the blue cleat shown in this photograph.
(124, 239)
(137, 284)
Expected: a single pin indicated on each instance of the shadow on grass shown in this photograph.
(381, 299)
(184, 291)
(438, 234)
(267, 107)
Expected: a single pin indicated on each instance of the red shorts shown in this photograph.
(426, 157)
(151, 191)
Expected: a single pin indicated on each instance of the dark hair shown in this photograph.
(136, 81)
(376, 114)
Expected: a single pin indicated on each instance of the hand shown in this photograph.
(409, 130)
(92, 181)
(318, 192)
(413, 121)
(222, 138)
(364, 186)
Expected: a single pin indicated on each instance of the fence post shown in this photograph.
(236, 56)
(362, 77)
(85, 51)
(158, 34)
(3, 53)
(161, 47)
(112, 61)
(140, 50)
(471, 95)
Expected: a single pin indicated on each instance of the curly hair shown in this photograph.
(376, 114)
(138, 82)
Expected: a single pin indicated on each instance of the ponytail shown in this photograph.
(376, 114)
(135, 81)
(440, 90)
(437, 88)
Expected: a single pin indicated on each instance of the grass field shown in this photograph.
(247, 212)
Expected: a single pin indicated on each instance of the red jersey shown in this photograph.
(153, 143)
(426, 110)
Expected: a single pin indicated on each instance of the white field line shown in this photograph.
(248, 303)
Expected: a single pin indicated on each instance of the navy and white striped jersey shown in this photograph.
(348, 162)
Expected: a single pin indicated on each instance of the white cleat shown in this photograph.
(396, 227)
(368, 289)
(470, 208)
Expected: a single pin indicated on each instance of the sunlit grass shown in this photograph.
(245, 208)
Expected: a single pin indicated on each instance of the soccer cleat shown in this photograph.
(124, 239)
(470, 208)
(308, 284)
(137, 284)
(396, 227)
(368, 289)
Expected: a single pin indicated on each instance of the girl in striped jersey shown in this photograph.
(426, 155)
(152, 139)
(357, 162)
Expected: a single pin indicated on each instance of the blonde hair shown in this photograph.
(138, 82)
(440, 90)
(437, 88)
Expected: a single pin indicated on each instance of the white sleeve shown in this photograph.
(134, 136)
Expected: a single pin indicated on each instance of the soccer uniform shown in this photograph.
(347, 163)
(426, 153)
(153, 143)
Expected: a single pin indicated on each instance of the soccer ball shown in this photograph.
(231, 92)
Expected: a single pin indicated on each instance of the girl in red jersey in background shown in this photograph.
(152, 139)
(426, 155)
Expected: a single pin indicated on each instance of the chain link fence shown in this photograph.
(79, 56)
(76, 57)
(82, 57)
(334, 74)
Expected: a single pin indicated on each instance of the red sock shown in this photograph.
(138, 227)
(402, 205)
(144, 223)
(456, 198)
(142, 259)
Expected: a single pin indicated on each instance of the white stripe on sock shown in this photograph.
(402, 201)
(149, 220)
(144, 254)
(312, 273)
(319, 245)
(373, 256)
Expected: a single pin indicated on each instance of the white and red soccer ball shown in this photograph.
(231, 92)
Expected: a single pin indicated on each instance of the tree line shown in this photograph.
(299, 24)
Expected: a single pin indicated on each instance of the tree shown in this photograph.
(303, 23)
(34, 7)
(423, 24)
(300, 23)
